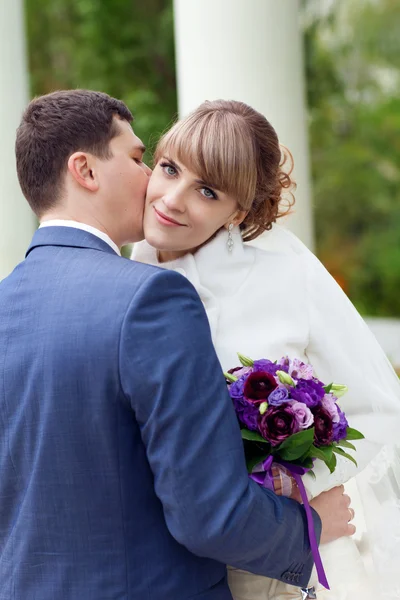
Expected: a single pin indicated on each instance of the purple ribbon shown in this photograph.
(262, 474)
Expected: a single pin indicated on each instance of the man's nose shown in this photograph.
(146, 169)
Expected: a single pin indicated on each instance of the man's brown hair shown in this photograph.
(55, 126)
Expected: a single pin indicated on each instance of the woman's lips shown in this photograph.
(164, 220)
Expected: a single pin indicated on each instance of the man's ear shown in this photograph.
(81, 166)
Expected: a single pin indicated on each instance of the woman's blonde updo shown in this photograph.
(235, 150)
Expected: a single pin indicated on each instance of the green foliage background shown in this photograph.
(352, 51)
(122, 47)
(353, 76)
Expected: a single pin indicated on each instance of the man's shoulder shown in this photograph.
(128, 278)
(123, 271)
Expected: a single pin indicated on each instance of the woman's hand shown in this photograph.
(284, 483)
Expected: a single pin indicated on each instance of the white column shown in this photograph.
(249, 50)
(16, 220)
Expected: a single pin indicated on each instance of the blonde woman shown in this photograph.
(218, 183)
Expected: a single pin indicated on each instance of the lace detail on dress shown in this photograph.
(379, 486)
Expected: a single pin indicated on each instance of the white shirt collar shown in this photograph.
(100, 234)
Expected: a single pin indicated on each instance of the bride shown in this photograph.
(218, 183)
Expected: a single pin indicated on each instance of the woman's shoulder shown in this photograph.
(281, 242)
(281, 250)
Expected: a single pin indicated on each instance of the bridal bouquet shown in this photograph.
(288, 414)
(289, 418)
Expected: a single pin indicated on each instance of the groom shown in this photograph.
(122, 469)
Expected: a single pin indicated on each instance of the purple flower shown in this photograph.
(304, 416)
(266, 366)
(239, 371)
(258, 386)
(283, 364)
(236, 389)
(279, 395)
(300, 370)
(323, 427)
(247, 413)
(329, 404)
(278, 423)
(310, 392)
(340, 428)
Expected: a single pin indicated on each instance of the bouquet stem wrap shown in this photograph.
(262, 474)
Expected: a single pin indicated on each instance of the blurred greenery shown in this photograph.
(353, 75)
(122, 47)
(352, 54)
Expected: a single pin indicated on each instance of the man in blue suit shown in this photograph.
(122, 469)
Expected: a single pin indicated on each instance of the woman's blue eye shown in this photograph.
(168, 169)
(208, 193)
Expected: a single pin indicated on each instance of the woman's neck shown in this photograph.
(164, 256)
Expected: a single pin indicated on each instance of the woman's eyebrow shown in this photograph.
(173, 163)
(199, 181)
(206, 183)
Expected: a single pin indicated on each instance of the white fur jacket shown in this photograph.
(281, 301)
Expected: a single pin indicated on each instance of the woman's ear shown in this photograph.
(237, 218)
(81, 166)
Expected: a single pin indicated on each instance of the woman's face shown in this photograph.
(182, 211)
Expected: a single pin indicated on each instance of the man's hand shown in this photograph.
(335, 513)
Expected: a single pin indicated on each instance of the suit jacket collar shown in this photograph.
(70, 237)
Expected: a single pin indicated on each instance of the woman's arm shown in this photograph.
(342, 349)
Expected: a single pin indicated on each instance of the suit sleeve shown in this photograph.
(343, 349)
(173, 381)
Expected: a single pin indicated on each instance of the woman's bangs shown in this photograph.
(215, 151)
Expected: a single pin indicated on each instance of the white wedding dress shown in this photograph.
(281, 301)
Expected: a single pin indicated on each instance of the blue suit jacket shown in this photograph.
(121, 465)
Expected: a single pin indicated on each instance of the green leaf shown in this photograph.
(306, 456)
(299, 437)
(346, 444)
(343, 453)
(353, 434)
(331, 464)
(322, 452)
(252, 462)
(296, 445)
(307, 462)
(245, 360)
(230, 377)
(252, 436)
(328, 388)
(290, 454)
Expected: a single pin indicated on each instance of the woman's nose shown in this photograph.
(175, 200)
